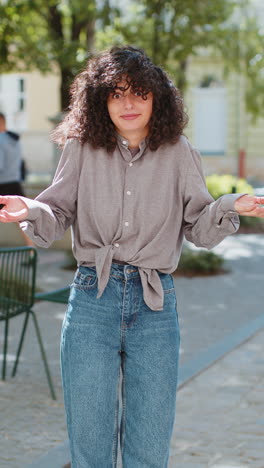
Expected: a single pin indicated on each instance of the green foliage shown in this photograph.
(169, 31)
(42, 33)
(38, 34)
(255, 224)
(172, 31)
(199, 262)
(219, 185)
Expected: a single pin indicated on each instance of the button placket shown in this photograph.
(128, 200)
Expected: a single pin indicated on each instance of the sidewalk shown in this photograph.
(219, 417)
(219, 421)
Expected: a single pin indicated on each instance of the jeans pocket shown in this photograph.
(85, 278)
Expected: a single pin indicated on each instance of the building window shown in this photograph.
(13, 100)
(210, 120)
(21, 95)
(21, 85)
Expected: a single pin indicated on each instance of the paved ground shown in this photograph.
(220, 419)
(214, 307)
(220, 413)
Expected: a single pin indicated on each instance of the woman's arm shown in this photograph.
(207, 221)
(46, 218)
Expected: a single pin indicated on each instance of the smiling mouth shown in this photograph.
(129, 116)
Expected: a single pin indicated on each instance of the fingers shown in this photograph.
(259, 200)
(9, 217)
(257, 211)
(4, 217)
(3, 199)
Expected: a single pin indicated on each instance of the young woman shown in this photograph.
(131, 186)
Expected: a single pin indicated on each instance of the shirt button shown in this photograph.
(116, 244)
(128, 192)
(126, 223)
(130, 164)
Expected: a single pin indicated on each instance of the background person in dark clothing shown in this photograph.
(11, 164)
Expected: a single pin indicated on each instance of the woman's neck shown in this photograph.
(134, 139)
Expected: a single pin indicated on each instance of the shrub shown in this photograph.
(219, 185)
(200, 262)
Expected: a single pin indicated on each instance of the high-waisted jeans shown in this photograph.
(102, 339)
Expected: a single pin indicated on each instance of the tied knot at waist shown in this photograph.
(153, 293)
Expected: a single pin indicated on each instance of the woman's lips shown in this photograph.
(129, 116)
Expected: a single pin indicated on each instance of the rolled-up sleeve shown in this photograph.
(54, 210)
(206, 221)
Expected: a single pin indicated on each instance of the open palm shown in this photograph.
(14, 209)
(249, 205)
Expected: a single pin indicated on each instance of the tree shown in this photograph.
(64, 33)
(43, 34)
(243, 52)
(171, 31)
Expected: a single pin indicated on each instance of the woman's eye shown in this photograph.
(116, 96)
(138, 93)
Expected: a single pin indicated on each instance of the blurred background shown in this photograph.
(213, 51)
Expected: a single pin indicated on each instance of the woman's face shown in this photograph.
(129, 112)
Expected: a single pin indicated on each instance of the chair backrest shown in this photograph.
(17, 279)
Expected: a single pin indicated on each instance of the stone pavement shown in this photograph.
(219, 421)
(220, 417)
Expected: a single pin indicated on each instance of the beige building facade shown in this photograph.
(28, 100)
(219, 125)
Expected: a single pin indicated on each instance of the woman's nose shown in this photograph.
(128, 102)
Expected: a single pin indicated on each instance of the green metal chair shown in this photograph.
(17, 296)
(61, 296)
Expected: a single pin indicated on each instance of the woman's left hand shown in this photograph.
(249, 205)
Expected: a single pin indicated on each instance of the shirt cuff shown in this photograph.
(228, 202)
(33, 208)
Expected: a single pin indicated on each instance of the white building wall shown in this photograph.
(28, 100)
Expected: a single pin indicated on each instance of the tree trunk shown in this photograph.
(182, 80)
(90, 34)
(157, 26)
(66, 80)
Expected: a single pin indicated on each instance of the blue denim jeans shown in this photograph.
(105, 339)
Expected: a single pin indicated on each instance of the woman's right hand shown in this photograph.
(14, 209)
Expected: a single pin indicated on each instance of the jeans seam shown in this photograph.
(68, 395)
(123, 425)
(115, 438)
(122, 315)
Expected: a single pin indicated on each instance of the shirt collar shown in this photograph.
(122, 143)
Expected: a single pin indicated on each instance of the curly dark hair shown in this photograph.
(88, 119)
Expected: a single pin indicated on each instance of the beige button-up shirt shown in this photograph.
(130, 208)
